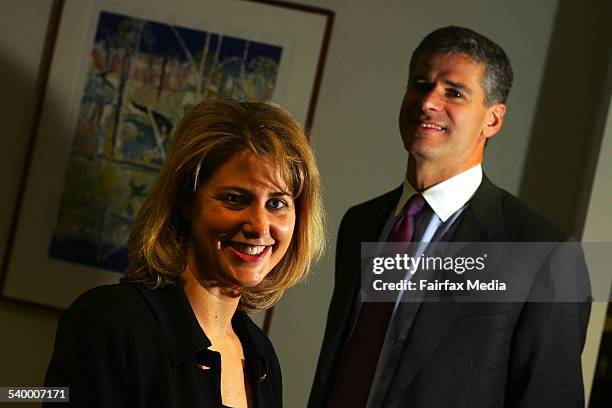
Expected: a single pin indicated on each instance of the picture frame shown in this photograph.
(115, 80)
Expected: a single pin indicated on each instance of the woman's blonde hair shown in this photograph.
(209, 134)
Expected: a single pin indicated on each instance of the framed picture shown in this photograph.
(122, 74)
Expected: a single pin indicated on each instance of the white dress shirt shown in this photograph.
(446, 197)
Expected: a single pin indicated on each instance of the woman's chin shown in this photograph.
(250, 281)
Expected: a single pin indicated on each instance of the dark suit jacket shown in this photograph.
(519, 354)
(128, 346)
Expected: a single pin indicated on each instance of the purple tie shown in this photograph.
(404, 227)
(358, 362)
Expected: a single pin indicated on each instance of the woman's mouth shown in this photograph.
(249, 252)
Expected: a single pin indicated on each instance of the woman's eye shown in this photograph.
(276, 204)
(232, 198)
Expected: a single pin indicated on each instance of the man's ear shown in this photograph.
(495, 119)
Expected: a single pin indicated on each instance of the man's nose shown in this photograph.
(257, 224)
(431, 100)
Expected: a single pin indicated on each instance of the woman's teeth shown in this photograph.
(249, 249)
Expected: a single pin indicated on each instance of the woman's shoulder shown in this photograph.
(108, 298)
(105, 339)
(121, 305)
(121, 292)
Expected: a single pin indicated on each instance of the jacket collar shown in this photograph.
(484, 217)
(254, 344)
(176, 320)
(183, 333)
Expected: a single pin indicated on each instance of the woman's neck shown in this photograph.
(214, 306)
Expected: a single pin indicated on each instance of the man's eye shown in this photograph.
(276, 204)
(453, 93)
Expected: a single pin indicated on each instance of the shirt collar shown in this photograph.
(446, 197)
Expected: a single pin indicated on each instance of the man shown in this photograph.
(445, 354)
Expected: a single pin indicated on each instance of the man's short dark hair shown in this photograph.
(459, 40)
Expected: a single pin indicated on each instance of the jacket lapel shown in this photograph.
(483, 218)
(366, 229)
(363, 223)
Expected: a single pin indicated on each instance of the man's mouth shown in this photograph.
(430, 125)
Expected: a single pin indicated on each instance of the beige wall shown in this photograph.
(27, 331)
(355, 135)
(570, 114)
(598, 228)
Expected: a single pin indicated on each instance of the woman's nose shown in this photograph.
(256, 224)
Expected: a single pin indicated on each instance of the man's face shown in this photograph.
(443, 119)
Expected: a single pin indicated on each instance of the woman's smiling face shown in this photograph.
(242, 222)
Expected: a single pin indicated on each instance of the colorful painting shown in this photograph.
(142, 77)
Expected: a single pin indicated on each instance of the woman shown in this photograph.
(234, 219)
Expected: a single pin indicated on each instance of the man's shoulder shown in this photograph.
(382, 203)
(524, 223)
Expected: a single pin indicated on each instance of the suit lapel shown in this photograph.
(424, 332)
(362, 223)
(483, 218)
(367, 229)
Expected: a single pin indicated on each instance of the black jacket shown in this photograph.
(467, 355)
(128, 346)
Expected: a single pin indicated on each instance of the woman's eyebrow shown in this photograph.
(281, 194)
(243, 190)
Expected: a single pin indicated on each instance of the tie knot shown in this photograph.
(415, 205)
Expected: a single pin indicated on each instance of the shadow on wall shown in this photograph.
(570, 115)
(27, 331)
